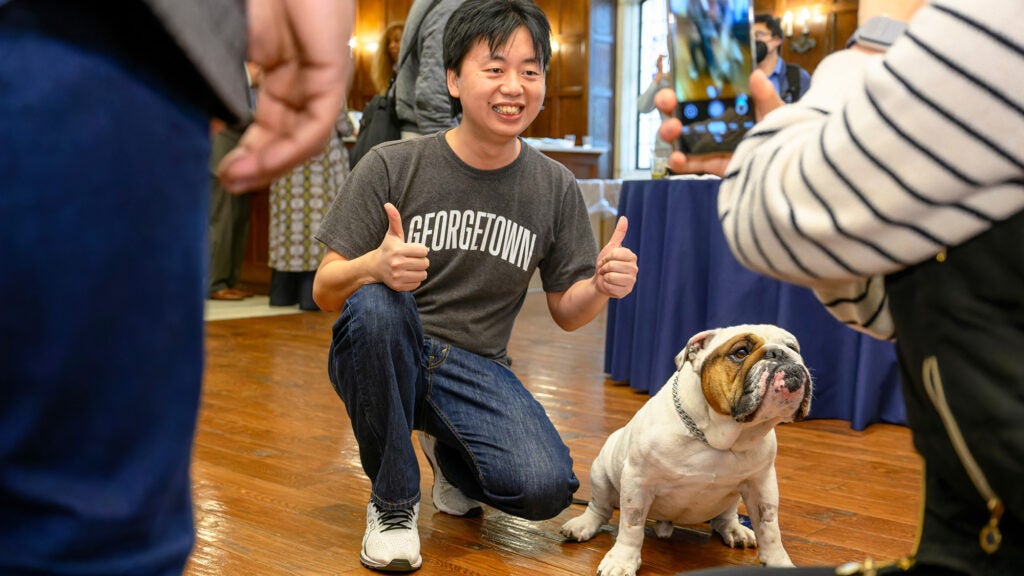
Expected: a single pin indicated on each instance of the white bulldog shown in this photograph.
(703, 441)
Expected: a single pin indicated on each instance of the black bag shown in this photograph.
(380, 120)
(379, 124)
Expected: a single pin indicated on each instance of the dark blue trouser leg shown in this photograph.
(496, 441)
(103, 213)
(374, 366)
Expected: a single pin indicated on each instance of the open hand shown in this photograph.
(616, 265)
(299, 47)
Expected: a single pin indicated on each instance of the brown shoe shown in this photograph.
(226, 294)
(243, 293)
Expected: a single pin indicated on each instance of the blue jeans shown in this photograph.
(494, 440)
(103, 216)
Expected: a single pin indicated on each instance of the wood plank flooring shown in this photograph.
(279, 489)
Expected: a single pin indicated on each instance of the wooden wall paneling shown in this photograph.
(544, 123)
(255, 273)
(572, 116)
(370, 22)
(764, 6)
(843, 25)
(573, 17)
(372, 17)
(572, 71)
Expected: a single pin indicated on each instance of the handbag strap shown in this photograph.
(415, 37)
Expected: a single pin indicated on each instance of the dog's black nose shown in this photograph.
(796, 376)
(774, 353)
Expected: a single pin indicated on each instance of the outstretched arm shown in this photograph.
(881, 165)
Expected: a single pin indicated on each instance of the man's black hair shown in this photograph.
(493, 21)
(771, 22)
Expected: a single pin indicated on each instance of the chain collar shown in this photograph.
(687, 420)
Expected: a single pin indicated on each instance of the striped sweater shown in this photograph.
(887, 160)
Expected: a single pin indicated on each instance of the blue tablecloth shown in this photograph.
(689, 281)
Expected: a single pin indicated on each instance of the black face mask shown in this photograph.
(761, 49)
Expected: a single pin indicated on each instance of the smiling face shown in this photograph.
(501, 92)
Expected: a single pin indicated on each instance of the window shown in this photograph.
(653, 43)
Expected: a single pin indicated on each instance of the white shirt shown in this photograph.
(886, 161)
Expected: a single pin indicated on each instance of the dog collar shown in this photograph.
(687, 420)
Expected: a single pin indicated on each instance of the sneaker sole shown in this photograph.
(396, 565)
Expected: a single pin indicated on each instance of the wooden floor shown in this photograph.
(279, 488)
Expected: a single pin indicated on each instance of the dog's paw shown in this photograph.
(581, 528)
(663, 529)
(736, 535)
(619, 563)
(776, 559)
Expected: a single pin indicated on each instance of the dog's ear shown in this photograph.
(693, 347)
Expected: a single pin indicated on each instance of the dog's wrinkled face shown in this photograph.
(751, 372)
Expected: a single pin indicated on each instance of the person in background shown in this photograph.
(645, 102)
(105, 114)
(229, 213)
(421, 98)
(790, 80)
(298, 202)
(385, 59)
(903, 208)
(421, 344)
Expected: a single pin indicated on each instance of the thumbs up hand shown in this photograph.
(400, 265)
(616, 265)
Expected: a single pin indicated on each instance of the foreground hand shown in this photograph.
(765, 100)
(400, 265)
(300, 46)
(616, 265)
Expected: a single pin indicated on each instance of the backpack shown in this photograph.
(380, 121)
(793, 80)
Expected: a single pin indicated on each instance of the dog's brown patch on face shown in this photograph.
(725, 369)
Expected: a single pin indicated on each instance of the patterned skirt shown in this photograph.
(298, 203)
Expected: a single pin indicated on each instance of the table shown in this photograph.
(689, 281)
(585, 162)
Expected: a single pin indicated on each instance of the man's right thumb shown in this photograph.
(394, 221)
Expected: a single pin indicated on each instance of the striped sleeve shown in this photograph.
(887, 160)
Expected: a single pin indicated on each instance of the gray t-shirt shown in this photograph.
(487, 231)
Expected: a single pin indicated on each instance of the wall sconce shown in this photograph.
(804, 42)
(787, 24)
(803, 20)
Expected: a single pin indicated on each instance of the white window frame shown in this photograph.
(628, 88)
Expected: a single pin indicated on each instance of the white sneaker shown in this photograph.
(447, 498)
(391, 542)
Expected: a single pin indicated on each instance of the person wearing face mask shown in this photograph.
(790, 80)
